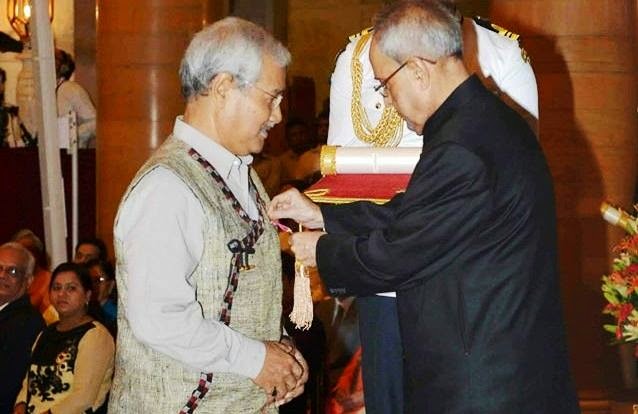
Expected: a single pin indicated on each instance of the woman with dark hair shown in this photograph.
(72, 360)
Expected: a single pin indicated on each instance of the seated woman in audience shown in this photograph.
(72, 360)
(104, 294)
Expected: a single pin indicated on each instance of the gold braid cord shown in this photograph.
(388, 131)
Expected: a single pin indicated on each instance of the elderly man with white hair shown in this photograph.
(470, 247)
(359, 117)
(199, 271)
(20, 322)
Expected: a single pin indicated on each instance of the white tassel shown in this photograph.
(301, 314)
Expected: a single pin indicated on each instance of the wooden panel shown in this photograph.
(154, 17)
(602, 91)
(564, 17)
(580, 53)
(142, 92)
(141, 49)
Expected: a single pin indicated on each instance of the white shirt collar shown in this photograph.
(223, 160)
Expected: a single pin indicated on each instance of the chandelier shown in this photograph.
(19, 15)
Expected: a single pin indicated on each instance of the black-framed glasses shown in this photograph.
(381, 86)
(276, 99)
(13, 271)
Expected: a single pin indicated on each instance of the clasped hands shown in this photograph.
(293, 205)
(284, 373)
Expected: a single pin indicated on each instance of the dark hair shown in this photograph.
(105, 266)
(94, 241)
(64, 64)
(80, 271)
(3, 75)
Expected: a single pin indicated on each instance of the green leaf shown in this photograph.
(611, 298)
(610, 328)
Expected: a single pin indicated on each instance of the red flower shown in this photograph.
(617, 278)
(624, 312)
(610, 308)
(629, 244)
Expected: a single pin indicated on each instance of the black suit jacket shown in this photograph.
(20, 324)
(471, 249)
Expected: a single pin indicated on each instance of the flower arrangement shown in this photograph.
(620, 287)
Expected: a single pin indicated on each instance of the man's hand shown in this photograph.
(304, 246)
(294, 205)
(298, 390)
(282, 372)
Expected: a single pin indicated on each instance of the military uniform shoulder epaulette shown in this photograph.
(496, 28)
(364, 32)
(351, 39)
(485, 23)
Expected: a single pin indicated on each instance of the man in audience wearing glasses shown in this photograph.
(20, 322)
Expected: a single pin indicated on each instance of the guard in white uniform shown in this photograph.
(502, 65)
(358, 117)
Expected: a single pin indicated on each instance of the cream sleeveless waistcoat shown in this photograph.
(147, 381)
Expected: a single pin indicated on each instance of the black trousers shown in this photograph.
(382, 355)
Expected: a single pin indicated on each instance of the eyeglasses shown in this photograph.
(276, 99)
(381, 86)
(13, 271)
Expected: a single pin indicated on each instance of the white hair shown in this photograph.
(231, 45)
(28, 261)
(422, 28)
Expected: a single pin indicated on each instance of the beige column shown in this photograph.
(584, 56)
(139, 47)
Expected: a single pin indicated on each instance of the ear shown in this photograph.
(421, 72)
(221, 85)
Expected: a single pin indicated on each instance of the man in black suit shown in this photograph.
(470, 247)
(20, 322)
